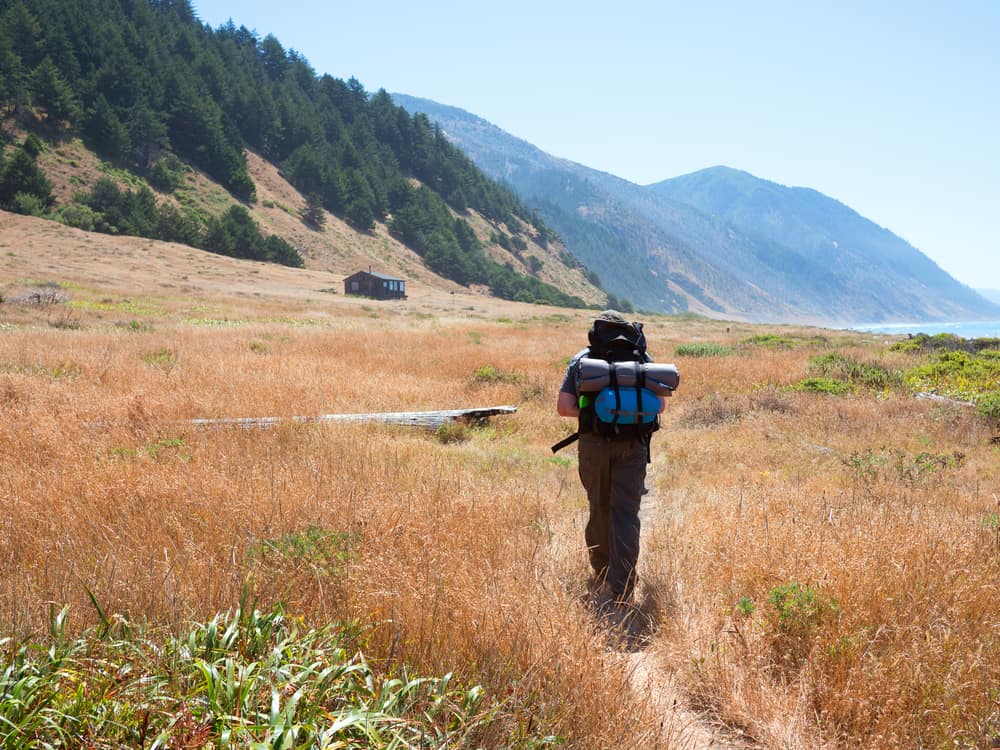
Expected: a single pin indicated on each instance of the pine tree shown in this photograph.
(105, 131)
(51, 92)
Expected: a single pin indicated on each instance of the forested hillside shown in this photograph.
(151, 89)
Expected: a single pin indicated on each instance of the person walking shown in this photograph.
(612, 461)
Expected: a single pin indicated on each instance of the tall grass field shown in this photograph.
(820, 563)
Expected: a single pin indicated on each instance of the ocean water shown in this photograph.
(968, 330)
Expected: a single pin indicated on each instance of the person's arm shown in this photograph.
(663, 402)
(567, 405)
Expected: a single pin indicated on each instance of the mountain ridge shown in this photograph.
(703, 255)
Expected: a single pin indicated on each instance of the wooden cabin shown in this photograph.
(375, 285)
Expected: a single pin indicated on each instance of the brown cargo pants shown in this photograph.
(613, 472)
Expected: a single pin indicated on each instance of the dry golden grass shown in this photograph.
(467, 556)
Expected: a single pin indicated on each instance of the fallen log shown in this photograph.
(943, 399)
(430, 420)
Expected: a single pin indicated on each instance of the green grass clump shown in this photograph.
(453, 432)
(322, 549)
(824, 385)
(161, 358)
(771, 341)
(703, 349)
(488, 374)
(873, 375)
(243, 679)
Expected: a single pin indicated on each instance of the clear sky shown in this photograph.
(890, 106)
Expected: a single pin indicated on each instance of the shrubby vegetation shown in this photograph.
(23, 187)
(959, 368)
(110, 209)
(873, 375)
(703, 349)
(143, 82)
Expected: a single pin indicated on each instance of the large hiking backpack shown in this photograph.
(617, 411)
(624, 410)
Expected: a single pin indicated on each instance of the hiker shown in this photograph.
(612, 456)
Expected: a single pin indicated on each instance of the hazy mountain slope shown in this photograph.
(634, 257)
(859, 254)
(663, 249)
(993, 295)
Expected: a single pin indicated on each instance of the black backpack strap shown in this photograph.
(565, 441)
(613, 375)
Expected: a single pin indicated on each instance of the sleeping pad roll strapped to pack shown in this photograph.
(629, 406)
(595, 374)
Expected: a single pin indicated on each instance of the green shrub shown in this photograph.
(29, 204)
(800, 607)
(872, 375)
(162, 358)
(77, 215)
(921, 342)
(824, 385)
(797, 613)
(703, 349)
(989, 405)
(771, 341)
(136, 326)
(324, 549)
(167, 174)
(960, 375)
(452, 432)
(488, 374)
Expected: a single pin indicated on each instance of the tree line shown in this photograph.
(143, 81)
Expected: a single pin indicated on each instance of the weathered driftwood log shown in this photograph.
(430, 420)
(944, 399)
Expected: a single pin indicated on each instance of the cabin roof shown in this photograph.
(383, 276)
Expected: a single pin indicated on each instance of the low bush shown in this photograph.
(824, 385)
(771, 341)
(705, 349)
(488, 375)
(963, 376)
(873, 375)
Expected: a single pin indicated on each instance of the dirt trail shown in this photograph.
(681, 727)
(635, 645)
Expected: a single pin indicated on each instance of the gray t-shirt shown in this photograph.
(569, 384)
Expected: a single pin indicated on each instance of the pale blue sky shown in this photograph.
(890, 107)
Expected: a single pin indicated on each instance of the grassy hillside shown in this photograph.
(820, 548)
(336, 246)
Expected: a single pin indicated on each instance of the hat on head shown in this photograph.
(612, 316)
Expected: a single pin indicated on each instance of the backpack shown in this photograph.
(616, 342)
(619, 412)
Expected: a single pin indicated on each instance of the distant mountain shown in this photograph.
(720, 241)
(855, 253)
(993, 295)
